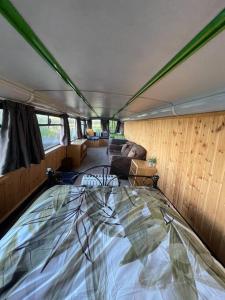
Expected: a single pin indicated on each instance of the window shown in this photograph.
(50, 127)
(73, 128)
(112, 126)
(96, 125)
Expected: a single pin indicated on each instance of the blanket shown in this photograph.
(106, 243)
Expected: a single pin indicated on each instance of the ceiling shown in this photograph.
(110, 49)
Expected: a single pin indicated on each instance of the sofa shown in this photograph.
(120, 153)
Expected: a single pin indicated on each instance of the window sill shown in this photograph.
(47, 151)
(3, 178)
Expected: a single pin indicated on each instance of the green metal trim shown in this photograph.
(18, 22)
(204, 36)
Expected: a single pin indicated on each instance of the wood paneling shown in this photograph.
(77, 151)
(16, 186)
(191, 163)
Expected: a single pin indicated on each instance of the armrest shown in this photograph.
(120, 166)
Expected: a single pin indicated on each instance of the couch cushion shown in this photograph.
(126, 148)
(138, 151)
(118, 141)
(132, 153)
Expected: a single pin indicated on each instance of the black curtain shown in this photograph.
(118, 125)
(65, 131)
(79, 130)
(20, 138)
(89, 124)
(122, 127)
(105, 125)
(85, 128)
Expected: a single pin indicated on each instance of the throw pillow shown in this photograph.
(132, 153)
(90, 132)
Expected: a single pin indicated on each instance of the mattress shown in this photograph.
(106, 243)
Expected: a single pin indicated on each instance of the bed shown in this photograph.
(106, 243)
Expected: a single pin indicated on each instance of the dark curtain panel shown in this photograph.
(117, 130)
(105, 125)
(65, 131)
(89, 124)
(79, 131)
(20, 138)
(122, 127)
(85, 128)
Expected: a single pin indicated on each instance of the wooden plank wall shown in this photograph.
(16, 186)
(191, 164)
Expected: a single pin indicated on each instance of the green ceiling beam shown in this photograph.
(19, 23)
(204, 36)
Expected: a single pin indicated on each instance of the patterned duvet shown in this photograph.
(106, 243)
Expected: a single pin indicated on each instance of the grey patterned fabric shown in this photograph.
(106, 243)
(20, 139)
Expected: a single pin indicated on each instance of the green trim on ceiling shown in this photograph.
(204, 36)
(19, 23)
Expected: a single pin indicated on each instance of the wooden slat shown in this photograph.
(191, 163)
(16, 186)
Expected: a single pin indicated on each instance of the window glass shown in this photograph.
(73, 128)
(112, 126)
(54, 120)
(50, 130)
(96, 125)
(42, 119)
(50, 136)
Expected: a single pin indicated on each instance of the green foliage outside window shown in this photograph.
(112, 126)
(96, 125)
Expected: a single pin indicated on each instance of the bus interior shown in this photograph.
(112, 149)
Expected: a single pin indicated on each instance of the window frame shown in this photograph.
(49, 115)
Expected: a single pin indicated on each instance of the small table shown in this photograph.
(141, 168)
(77, 150)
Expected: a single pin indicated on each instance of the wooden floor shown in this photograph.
(97, 156)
